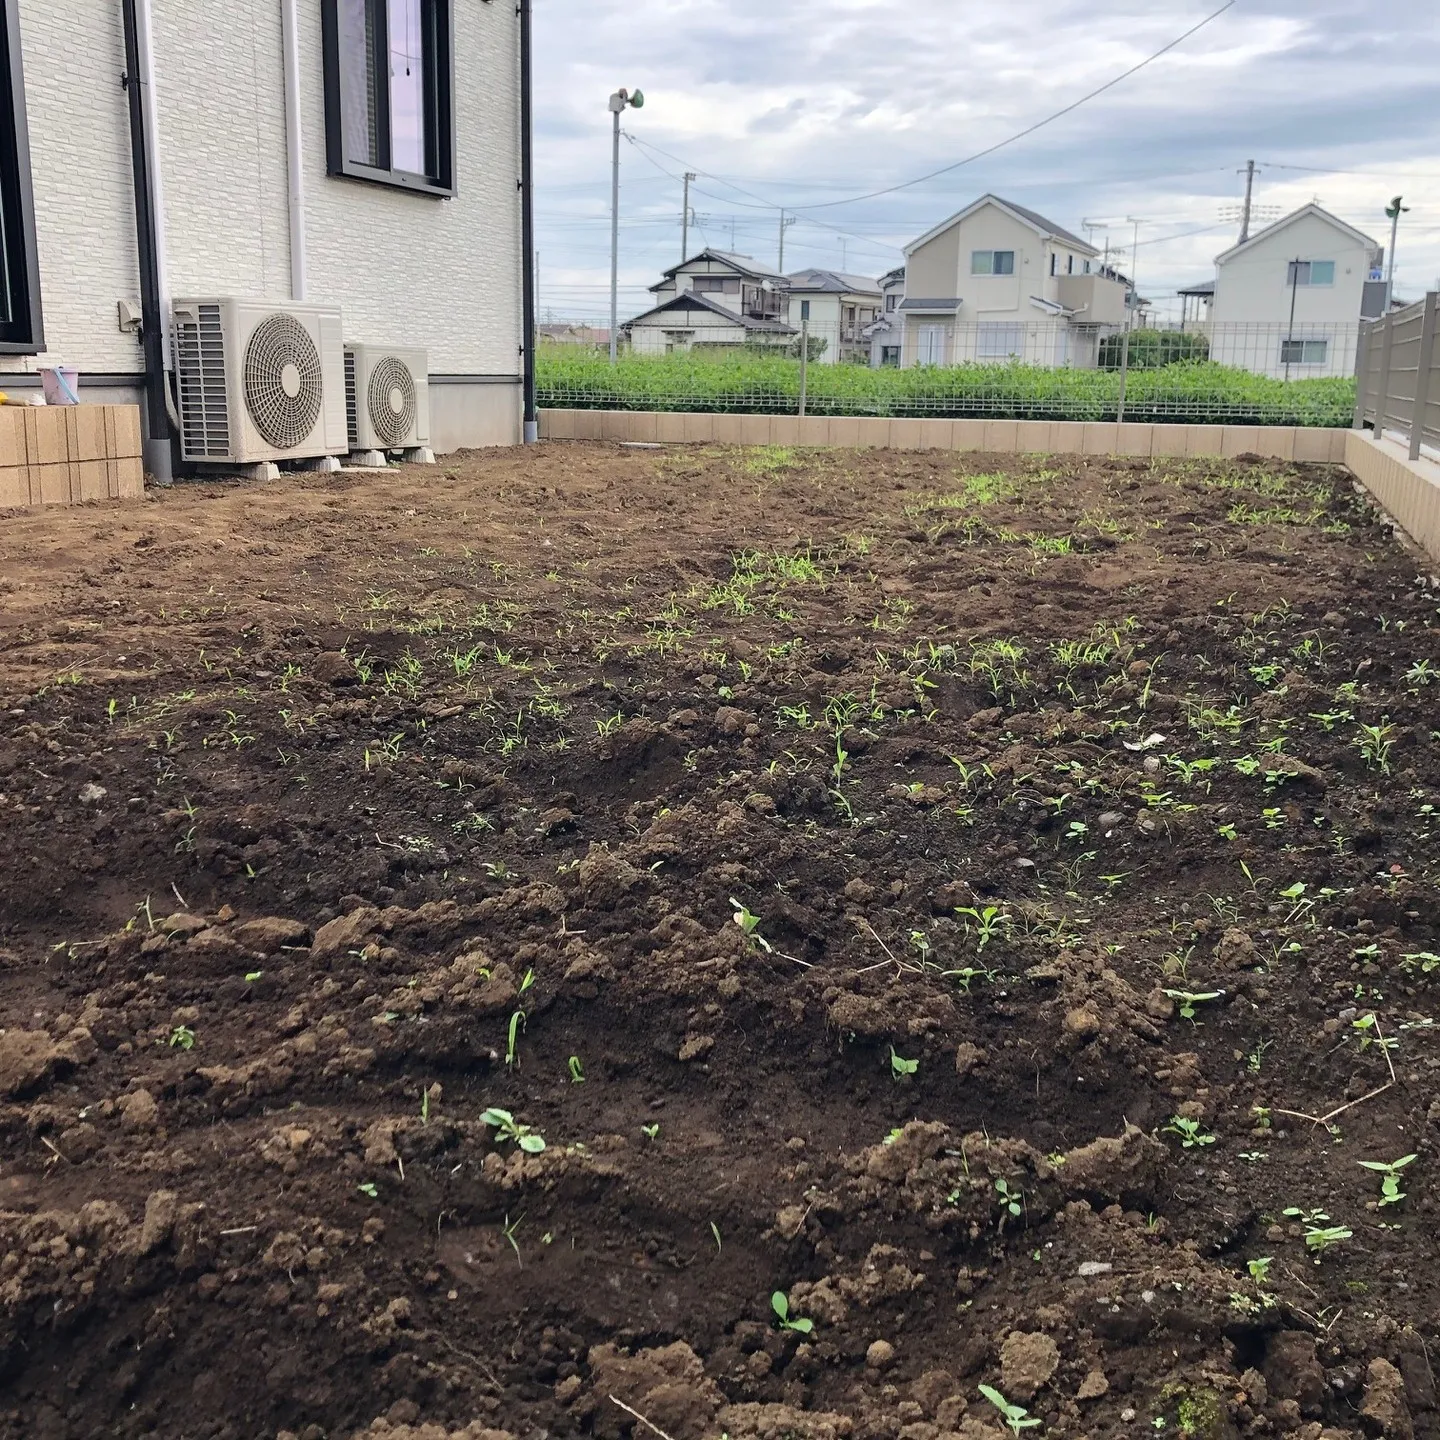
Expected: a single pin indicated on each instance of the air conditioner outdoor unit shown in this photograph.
(258, 383)
(387, 402)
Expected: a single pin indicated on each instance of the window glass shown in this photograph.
(407, 87)
(359, 81)
(1322, 272)
(20, 323)
(982, 262)
(1004, 262)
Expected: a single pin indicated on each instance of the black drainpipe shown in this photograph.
(527, 232)
(159, 452)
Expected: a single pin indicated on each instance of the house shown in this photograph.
(838, 308)
(884, 333)
(1195, 302)
(590, 337)
(713, 298)
(998, 281)
(1289, 300)
(313, 150)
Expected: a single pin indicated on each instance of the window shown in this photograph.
(20, 330)
(1087, 267)
(932, 345)
(890, 357)
(992, 262)
(715, 285)
(1304, 352)
(1054, 261)
(998, 340)
(890, 302)
(804, 309)
(1069, 264)
(1310, 272)
(389, 92)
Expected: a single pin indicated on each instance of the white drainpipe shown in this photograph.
(290, 33)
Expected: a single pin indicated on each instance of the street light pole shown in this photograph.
(685, 219)
(618, 101)
(1394, 210)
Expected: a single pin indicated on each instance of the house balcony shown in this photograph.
(1095, 299)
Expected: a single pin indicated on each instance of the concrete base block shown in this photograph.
(419, 455)
(368, 459)
(324, 464)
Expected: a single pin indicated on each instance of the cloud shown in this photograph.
(807, 101)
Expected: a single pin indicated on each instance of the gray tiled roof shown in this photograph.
(834, 282)
(690, 300)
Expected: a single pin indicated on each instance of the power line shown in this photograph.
(1029, 129)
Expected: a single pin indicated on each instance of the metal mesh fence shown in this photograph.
(1268, 374)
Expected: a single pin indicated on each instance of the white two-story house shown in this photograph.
(884, 335)
(838, 309)
(713, 298)
(997, 281)
(1289, 300)
(362, 154)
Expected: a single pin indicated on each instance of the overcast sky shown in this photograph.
(801, 102)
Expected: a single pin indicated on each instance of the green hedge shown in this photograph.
(1193, 391)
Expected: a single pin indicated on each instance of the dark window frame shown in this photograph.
(439, 36)
(24, 335)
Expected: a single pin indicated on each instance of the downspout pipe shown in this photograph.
(139, 82)
(294, 149)
(527, 229)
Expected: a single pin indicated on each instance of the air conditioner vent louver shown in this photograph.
(392, 400)
(200, 380)
(352, 414)
(283, 389)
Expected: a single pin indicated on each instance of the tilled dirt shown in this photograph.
(988, 901)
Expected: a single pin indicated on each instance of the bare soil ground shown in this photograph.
(989, 903)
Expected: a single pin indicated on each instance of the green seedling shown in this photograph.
(900, 1066)
(1319, 1236)
(1374, 743)
(1389, 1172)
(747, 920)
(988, 922)
(715, 1231)
(841, 756)
(182, 1037)
(970, 973)
(1259, 1268)
(1189, 999)
(368, 1188)
(251, 976)
(577, 1073)
(780, 1304)
(512, 1035)
(508, 1128)
(508, 1229)
(650, 1132)
(1012, 1201)
(1190, 1132)
(1016, 1417)
(1420, 962)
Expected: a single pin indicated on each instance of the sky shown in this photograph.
(803, 103)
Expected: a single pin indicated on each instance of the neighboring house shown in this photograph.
(885, 334)
(998, 281)
(1289, 300)
(594, 337)
(839, 308)
(386, 185)
(1195, 303)
(714, 298)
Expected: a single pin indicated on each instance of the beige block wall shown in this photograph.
(1408, 490)
(1053, 437)
(68, 454)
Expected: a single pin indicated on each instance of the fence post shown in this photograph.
(804, 361)
(1362, 371)
(1382, 390)
(1422, 372)
(1124, 371)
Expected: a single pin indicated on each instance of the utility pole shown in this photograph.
(784, 226)
(1132, 309)
(685, 219)
(1289, 343)
(1394, 210)
(1249, 191)
(618, 102)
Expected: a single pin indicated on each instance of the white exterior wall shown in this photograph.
(681, 329)
(825, 315)
(406, 268)
(1250, 314)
